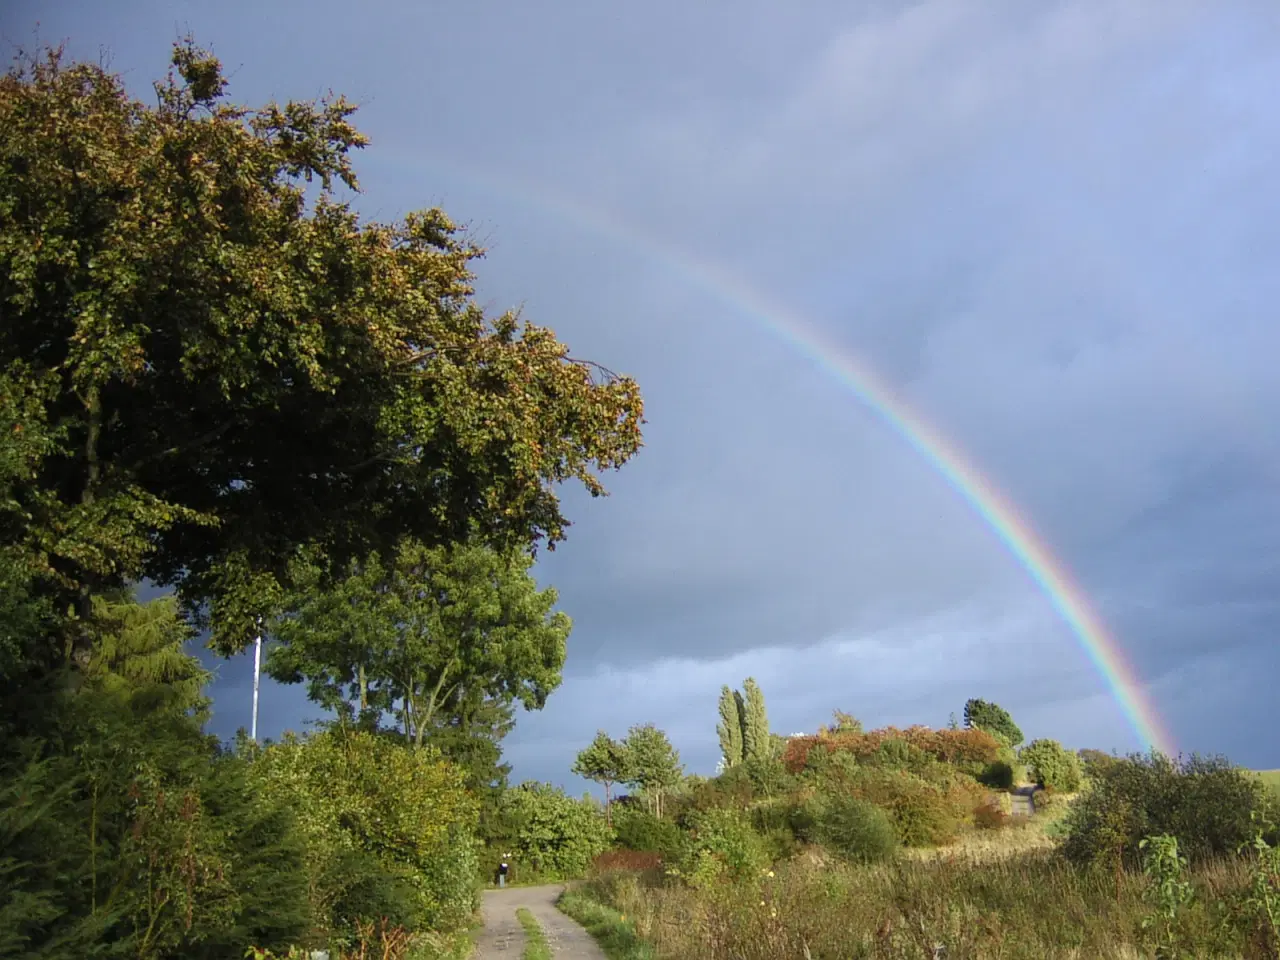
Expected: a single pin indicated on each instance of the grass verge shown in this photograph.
(609, 928)
(535, 941)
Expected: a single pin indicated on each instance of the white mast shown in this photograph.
(257, 669)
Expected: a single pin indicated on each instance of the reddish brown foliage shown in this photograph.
(989, 816)
(949, 746)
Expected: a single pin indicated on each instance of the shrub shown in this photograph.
(389, 828)
(969, 750)
(1052, 766)
(1207, 803)
(853, 829)
(555, 834)
(1094, 760)
(637, 829)
(722, 841)
(997, 776)
(990, 816)
(923, 814)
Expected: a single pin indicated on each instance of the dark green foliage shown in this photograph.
(1206, 802)
(993, 718)
(853, 829)
(722, 843)
(128, 833)
(638, 829)
(1095, 760)
(1052, 766)
(997, 776)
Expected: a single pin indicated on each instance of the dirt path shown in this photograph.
(1024, 804)
(503, 939)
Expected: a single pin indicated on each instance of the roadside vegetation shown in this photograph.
(220, 384)
(898, 843)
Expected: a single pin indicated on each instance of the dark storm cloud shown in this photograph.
(1053, 227)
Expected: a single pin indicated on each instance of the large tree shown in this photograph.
(217, 368)
(422, 631)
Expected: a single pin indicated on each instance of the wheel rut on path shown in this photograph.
(503, 938)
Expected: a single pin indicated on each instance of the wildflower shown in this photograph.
(769, 874)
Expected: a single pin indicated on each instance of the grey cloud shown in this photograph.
(1051, 227)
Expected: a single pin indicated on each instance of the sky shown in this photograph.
(1051, 228)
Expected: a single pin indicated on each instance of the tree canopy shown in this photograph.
(655, 763)
(605, 761)
(994, 719)
(209, 370)
(423, 631)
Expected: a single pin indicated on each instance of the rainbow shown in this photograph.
(1017, 534)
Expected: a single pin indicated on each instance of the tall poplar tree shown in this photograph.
(730, 727)
(755, 726)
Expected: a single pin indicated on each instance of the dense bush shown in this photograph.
(969, 750)
(1052, 766)
(855, 830)
(990, 816)
(125, 832)
(1094, 760)
(722, 843)
(389, 828)
(637, 829)
(997, 776)
(1207, 803)
(554, 834)
(924, 814)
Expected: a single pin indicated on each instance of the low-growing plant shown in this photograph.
(923, 814)
(989, 816)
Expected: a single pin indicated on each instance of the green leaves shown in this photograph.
(654, 763)
(420, 634)
(231, 374)
(994, 719)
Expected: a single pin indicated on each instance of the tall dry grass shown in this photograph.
(1032, 906)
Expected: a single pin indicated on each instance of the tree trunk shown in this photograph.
(364, 689)
(82, 641)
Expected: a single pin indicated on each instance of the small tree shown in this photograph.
(730, 727)
(605, 761)
(655, 763)
(755, 723)
(1051, 765)
(994, 719)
